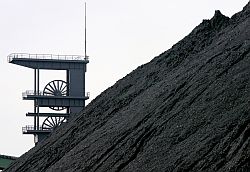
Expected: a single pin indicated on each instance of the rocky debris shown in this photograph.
(186, 110)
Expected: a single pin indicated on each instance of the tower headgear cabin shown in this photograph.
(58, 95)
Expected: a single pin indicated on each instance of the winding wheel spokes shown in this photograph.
(56, 88)
(52, 122)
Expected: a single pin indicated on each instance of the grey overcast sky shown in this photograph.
(122, 34)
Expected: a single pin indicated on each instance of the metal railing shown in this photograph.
(40, 93)
(32, 128)
(32, 93)
(47, 57)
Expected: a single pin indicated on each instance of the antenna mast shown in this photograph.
(85, 53)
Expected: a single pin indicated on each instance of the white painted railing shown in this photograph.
(32, 93)
(31, 128)
(40, 93)
(46, 57)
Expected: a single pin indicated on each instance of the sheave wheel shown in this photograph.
(51, 122)
(56, 88)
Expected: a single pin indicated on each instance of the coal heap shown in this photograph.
(186, 110)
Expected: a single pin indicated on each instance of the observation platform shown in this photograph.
(49, 61)
(48, 101)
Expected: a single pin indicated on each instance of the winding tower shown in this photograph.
(58, 95)
(64, 98)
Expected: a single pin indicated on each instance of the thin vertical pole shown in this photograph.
(38, 82)
(35, 99)
(85, 32)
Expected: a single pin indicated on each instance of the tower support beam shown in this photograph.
(35, 101)
(38, 88)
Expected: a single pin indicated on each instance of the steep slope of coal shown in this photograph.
(186, 110)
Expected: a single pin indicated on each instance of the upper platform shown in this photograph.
(49, 61)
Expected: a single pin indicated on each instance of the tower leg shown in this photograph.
(35, 102)
(38, 82)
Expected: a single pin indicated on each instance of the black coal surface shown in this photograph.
(186, 110)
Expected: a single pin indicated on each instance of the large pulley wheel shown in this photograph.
(52, 122)
(56, 88)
